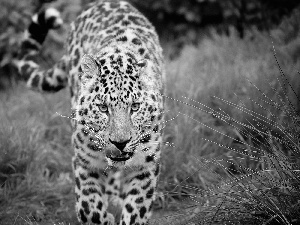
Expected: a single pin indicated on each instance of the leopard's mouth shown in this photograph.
(121, 157)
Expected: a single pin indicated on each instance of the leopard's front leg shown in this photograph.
(91, 200)
(139, 196)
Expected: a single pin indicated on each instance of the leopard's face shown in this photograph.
(122, 108)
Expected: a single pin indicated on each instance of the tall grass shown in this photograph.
(233, 122)
(35, 165)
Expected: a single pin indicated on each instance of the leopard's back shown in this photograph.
(114, 21)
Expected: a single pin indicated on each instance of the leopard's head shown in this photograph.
(120, 99)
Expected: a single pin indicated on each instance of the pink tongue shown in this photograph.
(113, 152)
(116, 154)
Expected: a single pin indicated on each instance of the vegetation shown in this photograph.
(231, 138)
(236, 120)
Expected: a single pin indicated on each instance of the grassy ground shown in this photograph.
(236, 119)
(231, 119)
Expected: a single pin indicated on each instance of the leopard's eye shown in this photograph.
(135, 106)
(103, 108)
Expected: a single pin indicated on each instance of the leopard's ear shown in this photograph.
(89, 67)
(141, 66)
(142, 63)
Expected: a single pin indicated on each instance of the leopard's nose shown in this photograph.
(120, 144)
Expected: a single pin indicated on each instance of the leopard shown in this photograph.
(114, 69)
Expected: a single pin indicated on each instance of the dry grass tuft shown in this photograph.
(233, 122)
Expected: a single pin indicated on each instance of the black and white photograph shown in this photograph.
(156, 112)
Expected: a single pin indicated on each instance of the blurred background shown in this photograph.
(232, 114)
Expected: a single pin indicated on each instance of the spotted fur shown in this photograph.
(114, 69)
